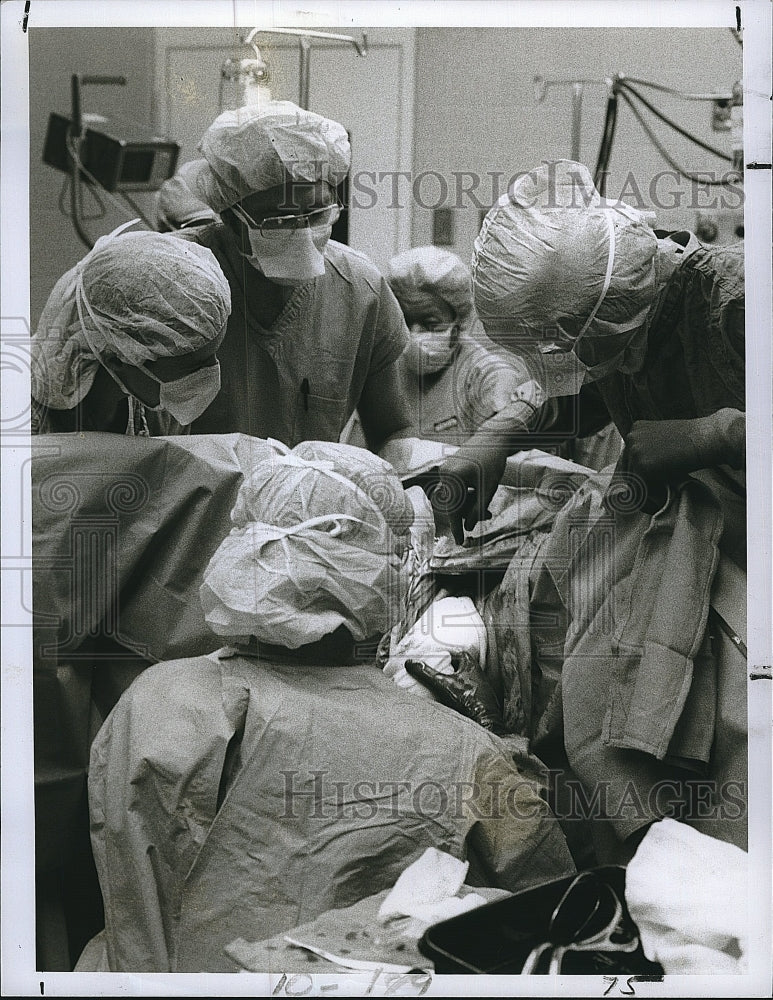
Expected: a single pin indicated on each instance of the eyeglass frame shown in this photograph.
(593, 943)
(300, 221)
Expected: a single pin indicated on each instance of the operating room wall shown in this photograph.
(458, 102)
(476, 112)
(55, 54)
(372, 96)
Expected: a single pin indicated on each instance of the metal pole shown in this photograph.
(305, 73)
(577, 89)
(304, 37)
(76, 138)
(362, 47)
(74, 155)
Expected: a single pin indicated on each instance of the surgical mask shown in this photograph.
(431, 351)
(290, 258)
(188, 397)
(184, 398)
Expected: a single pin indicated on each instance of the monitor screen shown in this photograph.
(137, 166)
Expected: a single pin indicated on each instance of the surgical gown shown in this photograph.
(238, 797)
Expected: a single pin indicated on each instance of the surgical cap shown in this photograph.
(255, 148)
(136, 297)
(554, 261)
(431, 271)
(320, 540)
(177, 204)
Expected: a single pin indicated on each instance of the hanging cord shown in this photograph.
(623, 83)
(605, 148)
(667, 157)
(114, 201)
(66, 212)
(671, 90)
(137, 210)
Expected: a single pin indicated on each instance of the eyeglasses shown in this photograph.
(589, 917)
(287, 223)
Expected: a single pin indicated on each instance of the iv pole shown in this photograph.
(304, 42)
(541, 86)
(619, 84)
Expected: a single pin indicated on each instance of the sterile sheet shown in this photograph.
(122, 529)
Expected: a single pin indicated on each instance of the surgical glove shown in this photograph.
(658, 452)
(467, 485)
(670, 449)
(467, 690)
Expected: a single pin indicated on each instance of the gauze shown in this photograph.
(556, 268)
(312, 550)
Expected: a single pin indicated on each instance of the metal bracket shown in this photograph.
(304, 43)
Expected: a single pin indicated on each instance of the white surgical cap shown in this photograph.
(320, 540)
(555, 262)
(431, 271)
(142, 296)
(255, 148)
(177, 204)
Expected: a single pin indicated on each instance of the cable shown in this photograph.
(677, 128)
(65, 188)
(102, 211)
(605, 147)
(66, 212)
(666, 156)
(678, 93)
(136, 208)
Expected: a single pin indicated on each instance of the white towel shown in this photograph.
(688, 895)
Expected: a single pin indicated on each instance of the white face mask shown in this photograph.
(188, 397)
(432, 350)
(185, 398)
(290, 258)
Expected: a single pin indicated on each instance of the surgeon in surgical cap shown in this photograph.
(592, 295)
(178, 207)
(320, 543)
(315, 331)
(454, 376)
(128, 338)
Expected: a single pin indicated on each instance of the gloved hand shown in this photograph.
(466, 690)
(670, 449)
(658, 452)
(467, 484)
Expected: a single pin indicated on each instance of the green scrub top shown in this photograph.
(301, 378)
